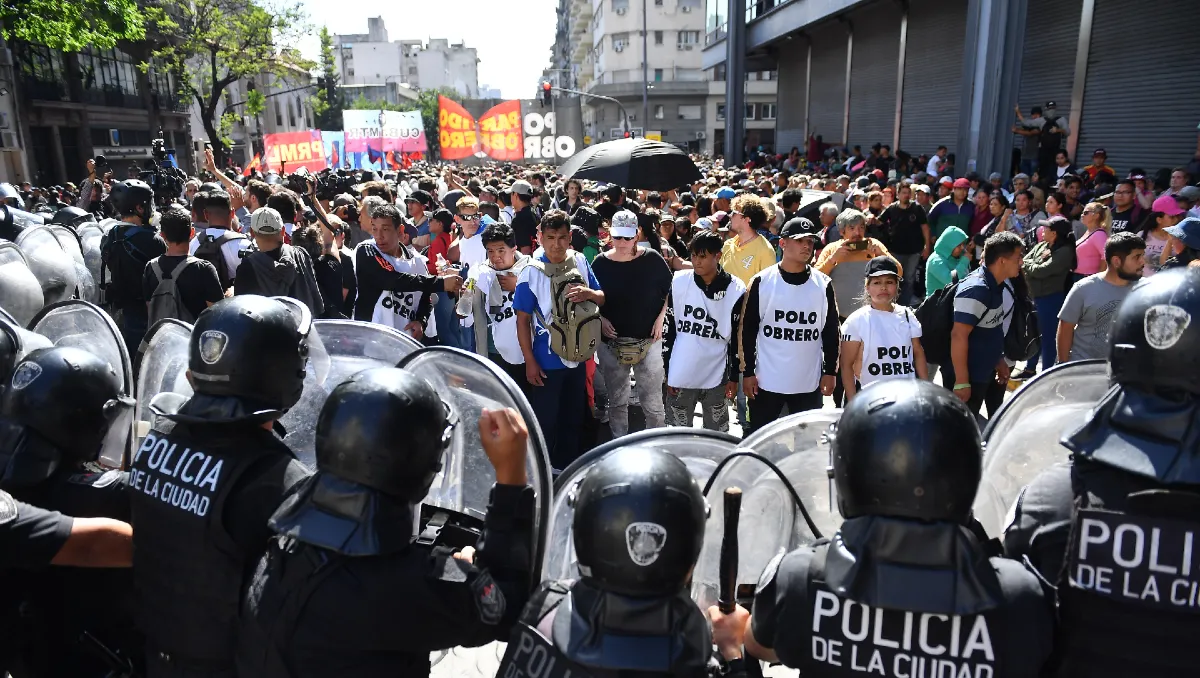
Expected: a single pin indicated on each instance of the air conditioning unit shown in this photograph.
(114, 137)
(687, 48)
(679, 48)
(701, 135)
(9, 140)
(686, 9)
(619, 47)
(621, 11)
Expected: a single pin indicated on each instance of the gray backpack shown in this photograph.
(166, 302)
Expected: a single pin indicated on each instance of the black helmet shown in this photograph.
(252, 348)
(67, 397)
(127, 196)
(385, 428)
(1156, 335)
(908, 449)
(639, 523)
(71, 216)
(210, 186)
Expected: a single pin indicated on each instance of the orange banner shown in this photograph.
(289, 151)
(497, 134)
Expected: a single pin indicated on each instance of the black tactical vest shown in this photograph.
(188, 570)
(833, 636)
(1129, 595)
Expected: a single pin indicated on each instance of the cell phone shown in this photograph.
(208, 145)
(856, 245)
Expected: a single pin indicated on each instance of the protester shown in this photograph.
(524, 221)
(175, 284)
(845, 260)
(1090, 250)
(496, 281)
(953, 210)
(1085, 320)
(748, 252)
(910, 239)
(881, 340)
(1185, 244)
(1047, 269)
(276, 268)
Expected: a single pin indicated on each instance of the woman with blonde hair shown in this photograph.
(1089, 248)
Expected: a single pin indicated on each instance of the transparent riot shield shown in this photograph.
(20, 290)
(53, 267)
(85, 285)
(90, 235)
(699, 449)
(83, 325)
(163, 369)
(772, 521)
(1021, 441)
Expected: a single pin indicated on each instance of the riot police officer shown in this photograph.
(57, 411)
(350, 552)
(1115, 527)
(125, 250)
(903, 588)
(204, 482)
(71, 217)
(638, 528)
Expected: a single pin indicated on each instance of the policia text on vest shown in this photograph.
(191, 476)
(1148, 561)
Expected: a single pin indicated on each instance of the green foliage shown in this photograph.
(215, 43)
(72, 25)
(362, 103)
(327, 102)
(256, 103)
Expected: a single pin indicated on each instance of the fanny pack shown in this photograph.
(630, 351)
(574, 327)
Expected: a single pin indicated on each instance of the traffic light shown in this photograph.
(627, 134)
(546, 93)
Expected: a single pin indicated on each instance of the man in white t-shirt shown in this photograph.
(496, 282)
(934, 168)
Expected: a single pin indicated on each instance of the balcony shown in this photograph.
(633, 88)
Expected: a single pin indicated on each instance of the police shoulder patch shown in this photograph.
(1164, 324)
(644, 541)
(489, 600)
(8, 508)
(25, 374)
(212, 346)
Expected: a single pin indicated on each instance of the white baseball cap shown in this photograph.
(266, 220)
(624, 225)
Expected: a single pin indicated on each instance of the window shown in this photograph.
(768, 111)
(689, 37)
(620, 6)
(689, 111)
(658, 37)
(620, 41)
(770, 75)
(718, 73)
(658, 75)
(658, 3)
(658, 112)
(749, 111)
(278, 115)
(720, 111)
(291, 113)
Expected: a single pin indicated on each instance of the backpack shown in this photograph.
(125, 262)
(936, 315)
(1024, 337)
(165, 302)
(574, 328)
(209, 249)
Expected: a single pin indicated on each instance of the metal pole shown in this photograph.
(645, 71)
(624, 113)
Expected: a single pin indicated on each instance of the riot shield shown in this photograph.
(53, 267)
(90, 235)
(1022, 439)
(163, 369)
(85, 285)
(20, 291)
(771, 521)
(699, 449)
(83, 325)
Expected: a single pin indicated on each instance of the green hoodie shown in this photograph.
(592, 249)
(941, 265)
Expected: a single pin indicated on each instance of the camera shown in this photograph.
(166, 179)
(332, 183)
(101, 163)
(297, 181)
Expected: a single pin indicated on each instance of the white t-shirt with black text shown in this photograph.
(887, 339)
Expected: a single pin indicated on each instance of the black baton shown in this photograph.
(729, 551)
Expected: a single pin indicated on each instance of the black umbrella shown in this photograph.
(633, 163)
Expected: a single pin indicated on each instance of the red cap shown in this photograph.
(961, 183)
(878, 173)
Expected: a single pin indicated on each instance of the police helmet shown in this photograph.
(8, 194)
(252, 348)
(639, 523)
(68, 397)
(906, 448)
(71, 216)
(127, 196)
(1156, 335)
(385, 428)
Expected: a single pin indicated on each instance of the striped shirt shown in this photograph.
(979, 302)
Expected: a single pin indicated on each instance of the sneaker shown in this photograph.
(1022, 374)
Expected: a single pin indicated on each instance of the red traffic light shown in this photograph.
(627, 135)
(545, 86)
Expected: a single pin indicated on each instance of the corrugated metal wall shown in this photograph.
(933, 75)
(826, 111)
(873, 74)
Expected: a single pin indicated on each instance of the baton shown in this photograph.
(727, 599)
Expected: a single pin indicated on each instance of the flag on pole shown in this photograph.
(255, 164)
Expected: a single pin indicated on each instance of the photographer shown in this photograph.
(91, 190)
(346, 208)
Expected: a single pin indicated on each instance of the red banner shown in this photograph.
(289, 151)
(497, 134)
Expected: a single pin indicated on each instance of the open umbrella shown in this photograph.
(633, 163)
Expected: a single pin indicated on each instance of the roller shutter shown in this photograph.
(1142, 93)
(1048, 58)
(873, 74)
(826, 111)
(789, 123)
(933, 75)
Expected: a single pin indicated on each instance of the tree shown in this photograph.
(327, 102)
(71, 25)
(426, 103)
(216, 43)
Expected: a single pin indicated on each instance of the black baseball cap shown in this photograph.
(799, 227)
(422, 197)
(882, 266)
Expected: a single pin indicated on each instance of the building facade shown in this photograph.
(372, 59)
(919, 74)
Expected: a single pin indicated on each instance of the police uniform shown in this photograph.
(1116, 527)
(629, 614)
(205, 481)
(125, 251)
(903, 588)
(349, 552)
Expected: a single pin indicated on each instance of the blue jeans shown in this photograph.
(559, 405)
(448, 328)
(909, 263)
(1029, 166)
(1048, 307)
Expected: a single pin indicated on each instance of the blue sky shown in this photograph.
(513, 39)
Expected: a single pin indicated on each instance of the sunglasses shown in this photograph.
(621, 237)
(470, 217)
